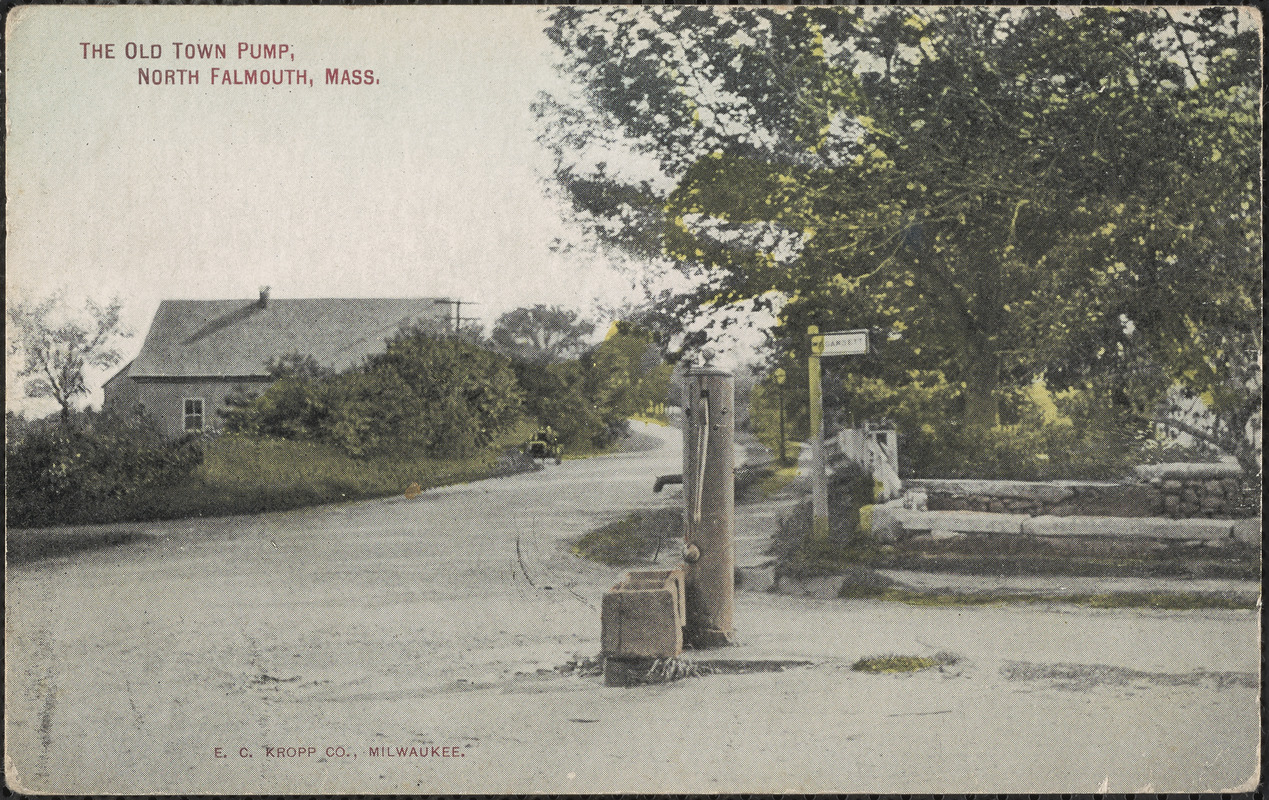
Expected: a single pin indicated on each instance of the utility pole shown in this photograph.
(819, 477)
(780, 376)
(458, 314)
(458, 311)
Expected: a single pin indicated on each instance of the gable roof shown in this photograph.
(223, 338)
(121, 372)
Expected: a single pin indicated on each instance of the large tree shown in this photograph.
(1014, 193)
(56, 344)
(541, 334)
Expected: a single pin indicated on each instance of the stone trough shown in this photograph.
(642, 618)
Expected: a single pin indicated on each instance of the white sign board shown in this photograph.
(843, 343)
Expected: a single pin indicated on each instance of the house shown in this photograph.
(198, 352)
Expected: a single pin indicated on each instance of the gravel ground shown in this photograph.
(415, 645)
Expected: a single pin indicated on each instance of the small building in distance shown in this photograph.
(198, 352)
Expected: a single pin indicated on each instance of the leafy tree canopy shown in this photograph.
(541, 334)
(588, 400)
(442, 395)
(1013, 193)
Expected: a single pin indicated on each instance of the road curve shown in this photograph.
(128, 664)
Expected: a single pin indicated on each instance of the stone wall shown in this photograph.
(1170, 490)
(1201, 490)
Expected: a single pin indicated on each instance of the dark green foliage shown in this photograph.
(245, 475)
(17, 426)
(454, 396)
(626, 372)
(447, 396)
(1020, 452)
(1073, 435)
(443, 396)
(588, 401)
(556, 395)
(67, 472)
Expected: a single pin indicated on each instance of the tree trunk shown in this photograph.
(982, 406)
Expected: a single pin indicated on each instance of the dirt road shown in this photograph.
(411, 646)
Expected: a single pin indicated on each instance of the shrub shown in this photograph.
(586, 401)
(556, 395)
(1017, 452)
(444, 396)
(801, 554)
(463, 394)
(1034, 448)
(1044, 435)
(65, 473)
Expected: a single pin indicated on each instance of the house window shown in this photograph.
(193, 413)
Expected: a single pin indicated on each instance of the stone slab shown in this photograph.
(1187, 472)
(1248, 531)
(1139, 527)
(954, 521)
(883, 521)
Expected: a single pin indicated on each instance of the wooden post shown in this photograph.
(819, 477)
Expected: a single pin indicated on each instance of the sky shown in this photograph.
(427, 182)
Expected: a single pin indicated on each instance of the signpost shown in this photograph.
(843, 343)
(779, 376)
(840, 343)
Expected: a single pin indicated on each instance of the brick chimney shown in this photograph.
(264, 297)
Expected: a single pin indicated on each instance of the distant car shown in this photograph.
(545, 444)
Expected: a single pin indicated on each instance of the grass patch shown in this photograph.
(1170, 601)
(894, 663)
(1166, 600)
(773, 483)
(632, 540)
